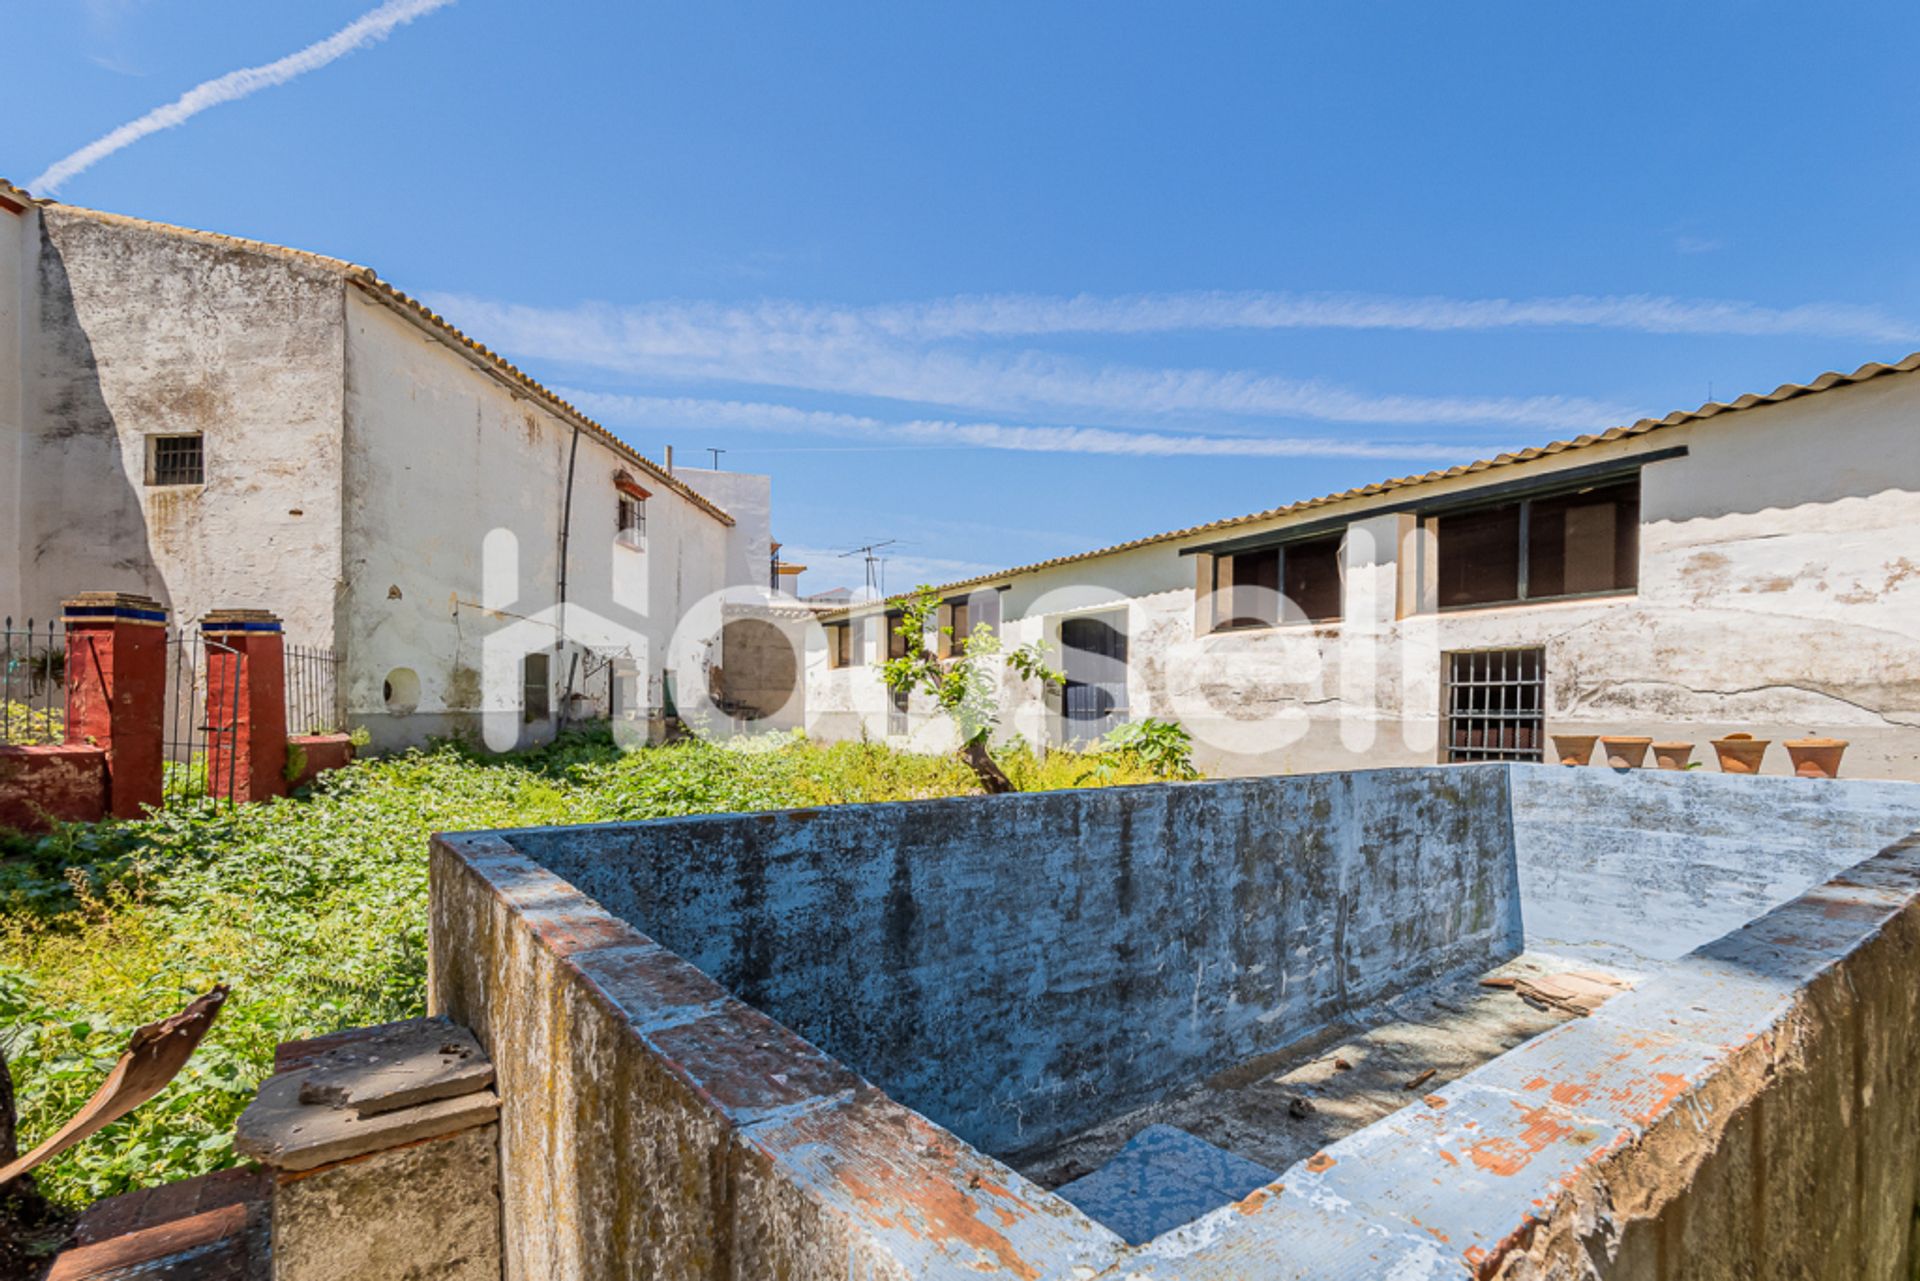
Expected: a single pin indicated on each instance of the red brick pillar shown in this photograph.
(246, 704)
(116, 690)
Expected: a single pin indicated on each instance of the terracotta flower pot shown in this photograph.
(1816, 757)
(1741, 753)
(1625, 751)
(1673, 755)
(1574, 749)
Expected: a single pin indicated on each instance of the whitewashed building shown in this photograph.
(1745, 567)
(221, 423)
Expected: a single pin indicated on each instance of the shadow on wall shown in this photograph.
(84, 527)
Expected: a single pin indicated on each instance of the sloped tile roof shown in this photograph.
(1680, 417)
(439, 326)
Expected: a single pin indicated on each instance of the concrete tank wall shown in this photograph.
(1743, 1111)
(1695, 854)
(1020, 968)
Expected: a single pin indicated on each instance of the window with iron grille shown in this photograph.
(1496, 705)
(175, 460)
(631, 522)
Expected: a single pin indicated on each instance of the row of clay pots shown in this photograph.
(1738, 753)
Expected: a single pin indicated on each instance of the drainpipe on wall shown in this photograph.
(566, 534)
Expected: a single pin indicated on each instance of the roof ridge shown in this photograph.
(435, 323)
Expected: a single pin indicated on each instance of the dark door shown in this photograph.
(1094, 654)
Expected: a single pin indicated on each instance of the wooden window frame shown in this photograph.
(1433, 522)
(1279, 552)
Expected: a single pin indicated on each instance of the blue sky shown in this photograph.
(1005, 281)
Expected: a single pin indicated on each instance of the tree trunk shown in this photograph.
(985, 768)
(9, 1120)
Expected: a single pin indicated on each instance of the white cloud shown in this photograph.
(730, 347)
(362, 31)
(698, 328)
(665, 413)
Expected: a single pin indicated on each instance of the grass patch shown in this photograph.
(314, 910)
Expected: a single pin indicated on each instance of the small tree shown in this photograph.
(965, 687)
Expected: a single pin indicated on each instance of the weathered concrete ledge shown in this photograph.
(1745, 1110)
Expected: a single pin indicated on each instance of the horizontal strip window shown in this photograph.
(1584, 542)
(1571, 478)
(1298, 582)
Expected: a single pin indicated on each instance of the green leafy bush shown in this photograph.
(314, 910)
(1162, 748)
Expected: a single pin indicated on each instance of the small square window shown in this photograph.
(175, 460)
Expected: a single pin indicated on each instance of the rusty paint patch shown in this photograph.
(1319, 1162)
(1507, 1156)
(949, 1213)
(1639, 1105)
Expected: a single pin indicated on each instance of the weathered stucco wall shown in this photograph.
(18, 232)
(1022, 969)
(440, 459)
(136, 332)
(1779, 593)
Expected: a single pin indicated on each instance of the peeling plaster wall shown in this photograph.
(134, 332)
(439, 457)
(1779, 593)
(1021, 969)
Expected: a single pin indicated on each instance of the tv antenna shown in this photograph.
(876, 575)
(716, 456)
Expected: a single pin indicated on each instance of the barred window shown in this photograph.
(175, 460)
(631, 521)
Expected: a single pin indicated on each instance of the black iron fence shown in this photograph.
(197, 731)
(314, 696)
(33, 683)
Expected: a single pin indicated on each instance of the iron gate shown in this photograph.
(314, 702)
(197, 732)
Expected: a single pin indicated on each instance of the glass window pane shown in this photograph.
(1313, 579)
(1479, 556)
(1253, 600)
(1584, 542)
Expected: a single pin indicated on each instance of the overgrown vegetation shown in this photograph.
(23, 724)
(314, 910)
(965, 683)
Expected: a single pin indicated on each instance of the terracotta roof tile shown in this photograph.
(1785, 391)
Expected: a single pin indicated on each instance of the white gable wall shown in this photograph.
(441, 455)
